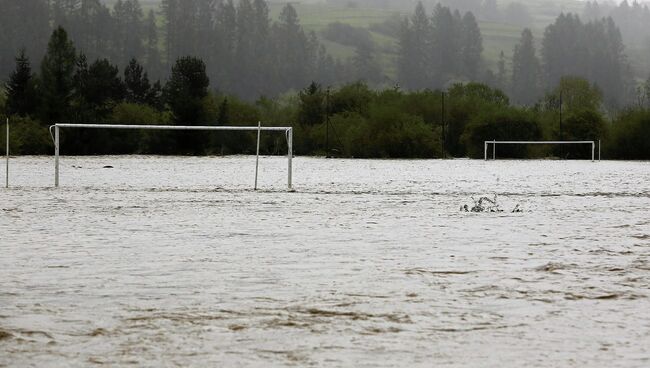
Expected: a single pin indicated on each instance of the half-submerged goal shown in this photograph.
(494, 146)
(259, 128)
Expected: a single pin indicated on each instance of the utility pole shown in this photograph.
(327, 124)
(442, 119)
(560, 114)
(561, 138)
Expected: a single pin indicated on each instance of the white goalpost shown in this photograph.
(495, 142)
(55, 132)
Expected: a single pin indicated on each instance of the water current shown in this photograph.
(175, 261)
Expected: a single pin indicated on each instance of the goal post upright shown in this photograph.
(7, 157)
(495, 142)
(259, 128)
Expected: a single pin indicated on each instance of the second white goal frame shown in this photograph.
(259, 128)
(495, 142)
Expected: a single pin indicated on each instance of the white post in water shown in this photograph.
(494, 149)
(485, 150)
(257, 157)
(599, 145)
(593, 151)
(290, 153)
(7, 148)
(56, 156)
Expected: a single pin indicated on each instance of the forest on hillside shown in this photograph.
(220, 62)
(251, 53)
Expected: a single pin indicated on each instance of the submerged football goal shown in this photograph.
(495, 142)
(55, 131)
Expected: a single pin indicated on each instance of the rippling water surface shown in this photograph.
(165, 261)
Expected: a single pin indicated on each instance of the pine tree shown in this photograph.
(185, 90)
(225, 45)
(366, 67)
(20, 89)
(471, 47)
(502, 79)
(293, 51)
(415, 50)
(261, 78)
(154, 64)
(525, 70)
(169, 10)
(311, 109)
(57, 70)
(184, 93)
(136, 82)
(129, 29)
(445, 45)
(246, 54)
(224, 113)
(98, 88)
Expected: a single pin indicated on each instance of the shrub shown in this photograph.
(630, 138)
(26, 137)
(501, 124)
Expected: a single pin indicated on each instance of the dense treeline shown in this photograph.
(435, 50)
(632, 18)
(446, 48)
(570, 91)
(245, 52)
(249, 55)
(359, 121)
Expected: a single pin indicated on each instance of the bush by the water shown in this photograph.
(630, 136)
(502, 124)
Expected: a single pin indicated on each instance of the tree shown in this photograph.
(21, 88)
(365, 64)
(154, 64)
(98, 88)
(92, 27)
(577, 94)
(502, 79)
(311, 107)
(593, 51)
(185, 93)
(446, 45)
(561, 49)
(225, 45)
(57, 70)
(525, 70)
(295, 54)
(129, 30)
(507, 123)
(471, 47)
(136, 82)
(185, 90)
(415, 50)
(224, 113)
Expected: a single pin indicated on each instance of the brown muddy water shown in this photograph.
(168, 261)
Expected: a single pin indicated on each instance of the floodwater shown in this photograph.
(175, 261)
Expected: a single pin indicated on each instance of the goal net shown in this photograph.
(55, 131)
(494, 144)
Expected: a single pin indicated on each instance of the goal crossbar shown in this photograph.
(495, 142)
(55, 133)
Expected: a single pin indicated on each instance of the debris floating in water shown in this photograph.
(485, 204)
